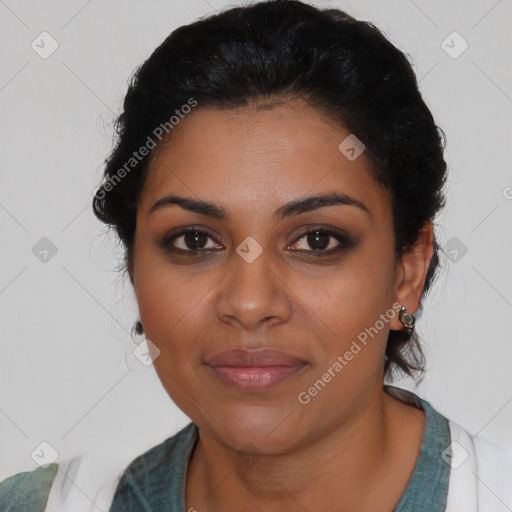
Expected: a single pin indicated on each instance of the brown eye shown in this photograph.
(320, 242)
(191, 240)
(195, 240)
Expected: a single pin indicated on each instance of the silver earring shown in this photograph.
(406, 319)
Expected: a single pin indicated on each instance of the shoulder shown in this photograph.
(155, 473)
(27, 490)
(83, 483)
(70, 484)
(481, 473)
(87, 482)
(151, 460)
(480, 477)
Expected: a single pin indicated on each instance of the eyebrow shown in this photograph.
(294, 207)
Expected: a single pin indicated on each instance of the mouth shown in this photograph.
(256, 378)
(254, 370)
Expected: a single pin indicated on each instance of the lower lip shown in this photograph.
(255, 377)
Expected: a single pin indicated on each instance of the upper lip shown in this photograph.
(262, 357)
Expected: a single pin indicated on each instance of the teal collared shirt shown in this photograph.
(155, 481)
(427, 489)
(27, 491)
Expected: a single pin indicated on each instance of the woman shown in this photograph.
(275, 182)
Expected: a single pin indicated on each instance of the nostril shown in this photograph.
(266, 321)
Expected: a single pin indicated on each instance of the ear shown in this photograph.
(411, 272)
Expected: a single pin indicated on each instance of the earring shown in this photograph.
(406, 319)
(138, 328)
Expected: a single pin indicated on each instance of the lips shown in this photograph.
(256, 369)
(262, 357)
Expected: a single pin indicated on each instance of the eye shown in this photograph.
(191, 240)
(321, 242)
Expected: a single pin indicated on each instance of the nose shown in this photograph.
(253, 294)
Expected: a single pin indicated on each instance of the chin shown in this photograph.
(256, 429)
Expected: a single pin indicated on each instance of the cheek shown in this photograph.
(353, 329)
(172, 303)
(176, 312)
(356, 293)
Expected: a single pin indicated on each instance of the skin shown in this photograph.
(351, 446)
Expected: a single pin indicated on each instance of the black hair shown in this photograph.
(275, 51)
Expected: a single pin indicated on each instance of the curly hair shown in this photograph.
(275, 51)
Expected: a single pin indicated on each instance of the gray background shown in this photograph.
(68, 373)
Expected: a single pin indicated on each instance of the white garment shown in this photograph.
(84, 484)
(483, 480)
(480, 479)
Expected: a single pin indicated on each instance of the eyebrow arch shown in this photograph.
(294, 207)
(311, 203)
(193, 205)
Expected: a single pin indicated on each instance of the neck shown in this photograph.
(365, 461)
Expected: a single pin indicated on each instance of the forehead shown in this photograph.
(246, 159)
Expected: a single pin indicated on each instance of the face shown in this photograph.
(250, 262)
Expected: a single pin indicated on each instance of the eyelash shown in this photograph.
(344, 242)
